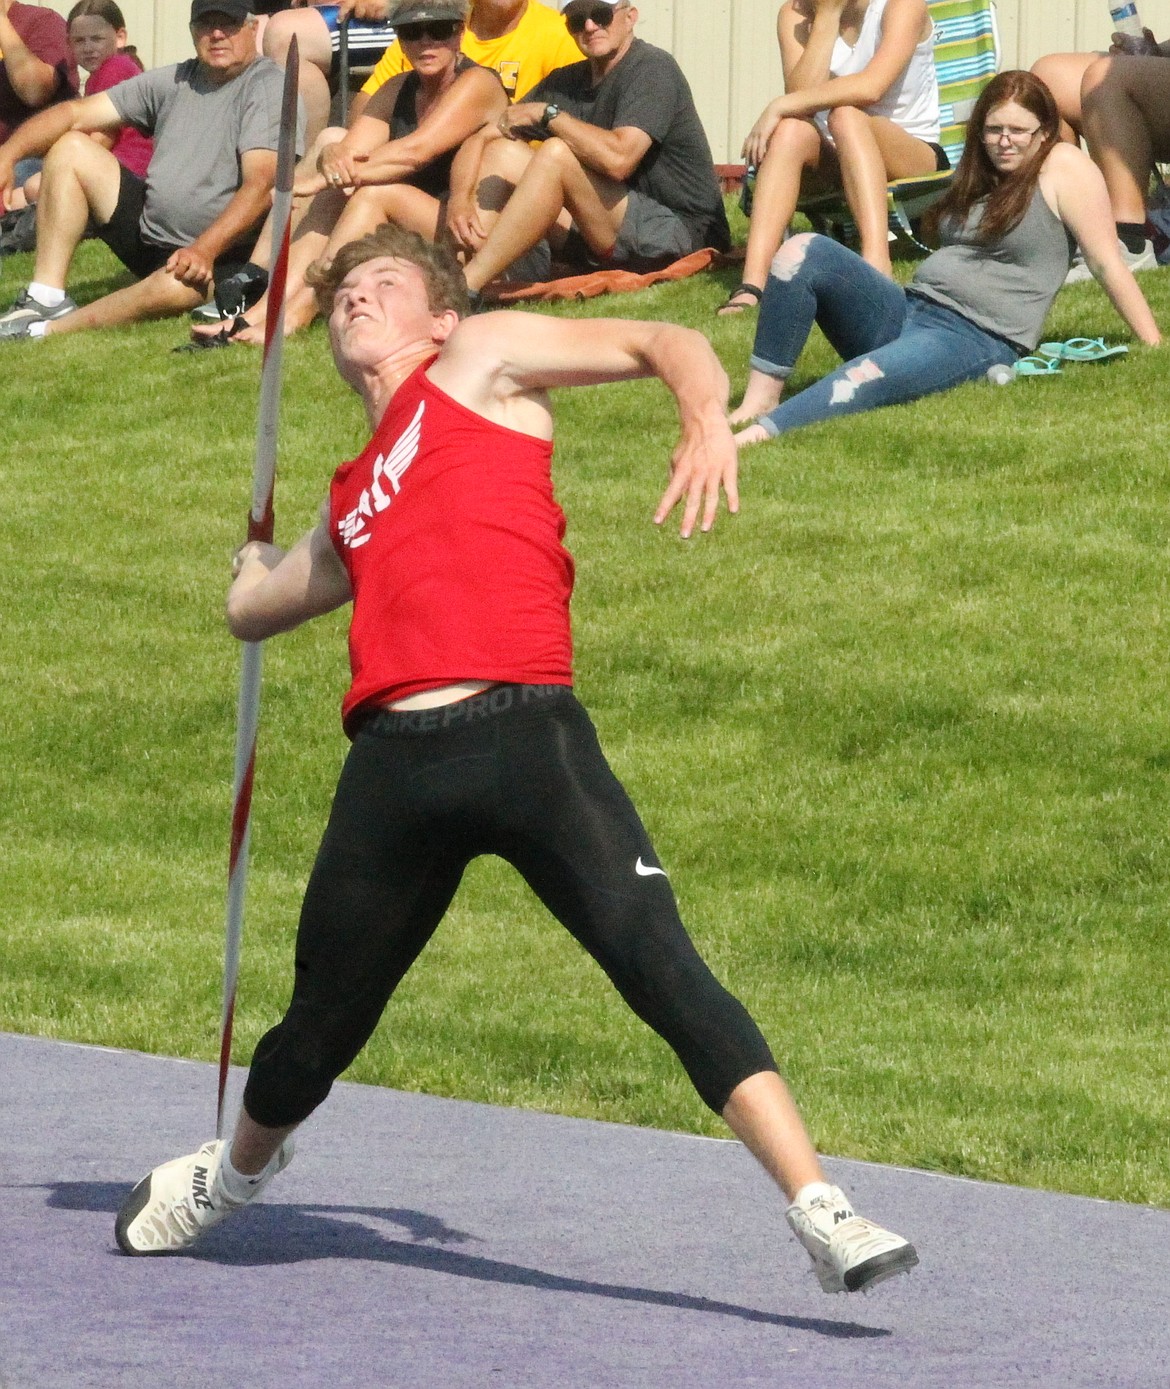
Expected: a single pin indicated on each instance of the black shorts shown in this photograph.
(516, 772)
(123, 235)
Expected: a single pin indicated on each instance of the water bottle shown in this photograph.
(1125, 19)
(1000, 375)
(747, 190)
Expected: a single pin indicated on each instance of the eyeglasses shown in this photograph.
(437, 30)
(996, 133)
(600, 15)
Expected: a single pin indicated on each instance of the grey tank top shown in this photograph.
(1006, 287)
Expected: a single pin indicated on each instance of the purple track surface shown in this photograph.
(425, 1242)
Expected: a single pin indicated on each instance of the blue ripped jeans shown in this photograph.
(896, 346)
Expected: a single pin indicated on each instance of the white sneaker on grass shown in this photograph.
(173, 1205)
(849, 1253)
(1145, 259)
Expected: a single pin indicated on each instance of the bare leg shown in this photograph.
(79, 178)
(158, 296)
(254, 1146)
(795, 150)
(316, 57)
(762, 1115)
(370, 208)
(307, 244)
(554, 184)
(1062, 74)
(1126, 104)
(872, 151)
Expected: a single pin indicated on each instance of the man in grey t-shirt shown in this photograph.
(623, 175)
(215, 121)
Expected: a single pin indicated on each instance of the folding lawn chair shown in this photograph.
(966, 58)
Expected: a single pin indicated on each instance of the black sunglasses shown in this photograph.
(601, 15)
(438, 30)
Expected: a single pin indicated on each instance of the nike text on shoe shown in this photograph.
(849, 1253)
(173, 1205)
(26, 311)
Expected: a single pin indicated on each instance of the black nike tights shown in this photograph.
(516, 771)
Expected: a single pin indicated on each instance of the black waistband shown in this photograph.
(463, 713)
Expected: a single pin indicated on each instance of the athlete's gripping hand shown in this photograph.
(704, 463)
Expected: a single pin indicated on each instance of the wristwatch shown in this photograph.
(549, 114)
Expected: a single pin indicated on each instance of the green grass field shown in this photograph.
(899, 730)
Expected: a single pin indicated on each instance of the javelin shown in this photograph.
(260, 527)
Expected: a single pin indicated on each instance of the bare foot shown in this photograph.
(761, 396)
(755, 434)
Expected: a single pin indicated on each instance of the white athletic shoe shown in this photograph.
(849, 1253)
(26, 311)
(1145, 259)
(173, 1205)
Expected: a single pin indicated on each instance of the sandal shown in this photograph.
(1038, 366)
(1081, 350)
(226, 337)
(730, 307)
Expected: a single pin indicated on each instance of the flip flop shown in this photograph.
(224, 338)
(1038, 366)
(1081, 350)
(727, 308)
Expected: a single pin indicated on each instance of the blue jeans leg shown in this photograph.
(936, 349)
(814, 279)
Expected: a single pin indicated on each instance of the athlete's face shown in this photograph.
(381, 305)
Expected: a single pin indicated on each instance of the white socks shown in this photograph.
(46, 295)
(237, 1186)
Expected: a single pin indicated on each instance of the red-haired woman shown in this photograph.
(1020, 201)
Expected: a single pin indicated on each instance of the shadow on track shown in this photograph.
(271, 1234)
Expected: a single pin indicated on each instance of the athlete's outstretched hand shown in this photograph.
(704, 463)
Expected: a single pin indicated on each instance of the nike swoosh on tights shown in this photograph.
(645, 870)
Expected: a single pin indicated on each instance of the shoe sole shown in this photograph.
(132, 1208)
(882, 1266)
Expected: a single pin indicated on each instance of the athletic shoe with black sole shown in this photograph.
(849, 1253)
(172, 1206)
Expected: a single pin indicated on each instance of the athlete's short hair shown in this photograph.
(441, 272)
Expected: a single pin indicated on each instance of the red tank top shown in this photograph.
(451, 536)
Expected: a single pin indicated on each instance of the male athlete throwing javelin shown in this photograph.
(467, 739)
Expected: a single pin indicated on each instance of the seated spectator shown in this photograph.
(215, 121)
(1064, 73)
(1126, 121)
(860, 107)
(521, 40)
(1020, 200)
(97, 40)
(394, 164)
(623, 174)
(317, 30)
(36, 68)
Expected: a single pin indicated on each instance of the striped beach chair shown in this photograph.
(966, 58)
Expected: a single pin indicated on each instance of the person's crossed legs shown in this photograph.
(525, 196)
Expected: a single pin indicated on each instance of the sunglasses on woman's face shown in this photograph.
(437, 30)
(601, 15)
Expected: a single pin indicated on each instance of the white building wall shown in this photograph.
(727, 48)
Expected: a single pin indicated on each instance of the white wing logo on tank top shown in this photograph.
(388, 471)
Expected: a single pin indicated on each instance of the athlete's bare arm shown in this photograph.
(274, 591)
(502, 366)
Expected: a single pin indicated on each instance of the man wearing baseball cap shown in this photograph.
(623, 173)
(215, 120)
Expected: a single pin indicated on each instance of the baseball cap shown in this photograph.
(234, 9)
(419, 11)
